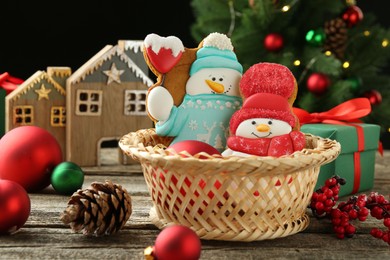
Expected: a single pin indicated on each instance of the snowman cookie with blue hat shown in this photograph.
(210, 98)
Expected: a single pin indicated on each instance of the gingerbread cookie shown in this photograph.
(211, 90)
(170, 61)
(264, 125)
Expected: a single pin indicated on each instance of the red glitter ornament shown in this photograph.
(318, 83)
(177, 242)
(273, 42)
(28, 157)
(352, 15)
(373, 96)
(15, 206)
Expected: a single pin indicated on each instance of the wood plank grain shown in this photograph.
(47, 243)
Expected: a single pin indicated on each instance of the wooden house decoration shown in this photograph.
(106, 100)
(40, 101)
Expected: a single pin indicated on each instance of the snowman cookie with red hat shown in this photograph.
(265, 124)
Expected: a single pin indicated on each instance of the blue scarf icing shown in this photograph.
(203, 117)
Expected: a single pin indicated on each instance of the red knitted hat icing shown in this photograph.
(267, 78)
(263, 105)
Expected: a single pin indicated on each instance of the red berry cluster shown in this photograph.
(354, 208)
(380, 209)
(323, 204)
(324, 199)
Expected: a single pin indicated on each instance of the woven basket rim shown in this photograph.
(325, 151)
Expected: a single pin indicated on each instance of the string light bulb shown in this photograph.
(328, 53)
(366, 33)
(346, 65)
(385, 43)
(297, 63)
(285, 8)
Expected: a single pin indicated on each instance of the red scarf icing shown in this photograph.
(276, 146)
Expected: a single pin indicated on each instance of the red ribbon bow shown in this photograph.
(344, 114)
(9, 83)
(349, 111)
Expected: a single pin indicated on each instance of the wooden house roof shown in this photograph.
(107, 53)
(31, 82)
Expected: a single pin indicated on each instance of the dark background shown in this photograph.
(35, 35)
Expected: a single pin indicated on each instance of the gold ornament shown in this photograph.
(148, 253)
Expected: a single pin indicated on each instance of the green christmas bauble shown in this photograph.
(355, 82)
(316, 37)
(67, 177)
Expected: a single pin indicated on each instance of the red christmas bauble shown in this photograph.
(194, 147)
(15, 206)
(177, 242)
(273, 42)
(318, 83)
(352, 15)
(373, 96)
(28, 157)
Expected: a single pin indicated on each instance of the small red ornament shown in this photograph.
(273, 42)
(373, 96)
(28, 157)
(14, 206)
(317, 83)
(177, 242)
(194, 147)
(352, 15)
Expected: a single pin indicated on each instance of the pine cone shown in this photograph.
(336, 37)
(102, 209)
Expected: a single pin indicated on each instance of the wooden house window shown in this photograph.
(58, 117)
(23, 115)
(89, 102)
(135, 102)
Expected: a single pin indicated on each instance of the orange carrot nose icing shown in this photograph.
(215, 86)
(262, 128)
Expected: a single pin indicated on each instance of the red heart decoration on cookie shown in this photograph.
(163, 52)
(164, 60)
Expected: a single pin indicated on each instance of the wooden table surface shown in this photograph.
(44, 236)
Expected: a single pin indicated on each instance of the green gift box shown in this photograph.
(356, 162)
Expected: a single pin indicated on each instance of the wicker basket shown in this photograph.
(234, 198)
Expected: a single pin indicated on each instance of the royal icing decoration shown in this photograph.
(163, 52)
(263, 126)
(212, 94)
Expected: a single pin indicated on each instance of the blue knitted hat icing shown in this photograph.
(217, 52)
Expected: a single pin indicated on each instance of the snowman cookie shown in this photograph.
(211, 93)
(264, 126)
